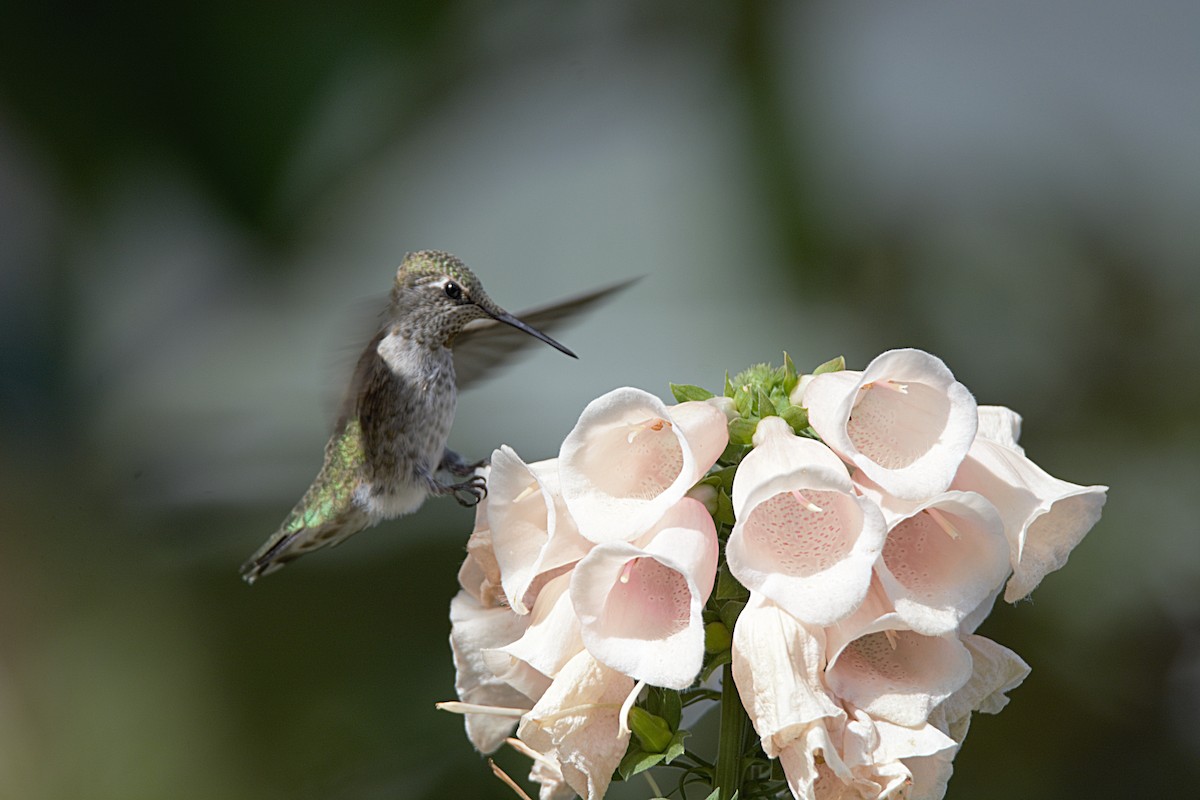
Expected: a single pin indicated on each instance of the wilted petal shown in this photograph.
(473, 629)
(778, 663)
(577, 722)
(899, 675)
(1044, 517)
(942, 560)
(904, 420)
(803, 538)
(630, 458)
(531, 534)
(995, 671)
(550, 641)
(815, 771)
(640, 607)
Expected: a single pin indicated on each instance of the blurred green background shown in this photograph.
(195, 198)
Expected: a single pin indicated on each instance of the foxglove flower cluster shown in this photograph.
(832, 541)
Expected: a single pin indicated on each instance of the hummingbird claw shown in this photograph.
(469, 493)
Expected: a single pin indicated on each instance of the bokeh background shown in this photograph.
(196, 198)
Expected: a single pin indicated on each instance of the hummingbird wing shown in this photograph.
(486, 345)
(326, 515)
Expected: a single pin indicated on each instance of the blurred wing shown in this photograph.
(485, 344)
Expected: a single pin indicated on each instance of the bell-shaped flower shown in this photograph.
(473, 630)
(778, 663)
(544, 647)
(904, 421)
(629, 458)
(577, 723)
(1044, 517)
(639, 604)
(532, 534)
(803, 538)
(942, 559)
(893, 673)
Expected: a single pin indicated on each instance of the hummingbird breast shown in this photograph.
(405, 408)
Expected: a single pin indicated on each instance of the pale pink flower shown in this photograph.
(1044, 517)
(639, 604)
(942, 559)
(474, 629)
(891, 672)
(904, 421)
(629, 458)
(533, 536)
(803, 538)
(577, 724)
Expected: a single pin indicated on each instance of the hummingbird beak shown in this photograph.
(501, 315)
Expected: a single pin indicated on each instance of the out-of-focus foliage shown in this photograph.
(195, 197)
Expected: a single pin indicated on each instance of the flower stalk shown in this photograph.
(732, 743)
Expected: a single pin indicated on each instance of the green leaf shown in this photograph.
(832, 365)
(728, 587)
(797, 417)
(636, 761)
(741, 430)
(766, 408)
(725, 475)
(743, 400)
(730, 389)
(672, 712)
(724, 512)
(730, 612)
(790, 376)
(686, 392)
(675, 749)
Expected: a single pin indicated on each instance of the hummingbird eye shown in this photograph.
(453, 290)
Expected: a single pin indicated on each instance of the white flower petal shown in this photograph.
(551, 640)
(899, 675)
(1044, 517)
(531, 535)
(904, 421)
(802, 537)
(777, 665)
(995, 671)
(576, 722)
(473, 630)
(1000, 424)
(630, 458)
(640, 607)
(942, 560)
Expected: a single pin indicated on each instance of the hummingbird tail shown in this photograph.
(290, 543)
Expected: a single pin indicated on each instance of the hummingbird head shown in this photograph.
(438, 295)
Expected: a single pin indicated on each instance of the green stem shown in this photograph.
(728, 776)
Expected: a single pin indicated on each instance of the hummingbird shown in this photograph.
(388, 446)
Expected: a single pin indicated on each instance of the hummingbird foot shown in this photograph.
(468, 493)
(456, 465)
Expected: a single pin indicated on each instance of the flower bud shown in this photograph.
(652, 731)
